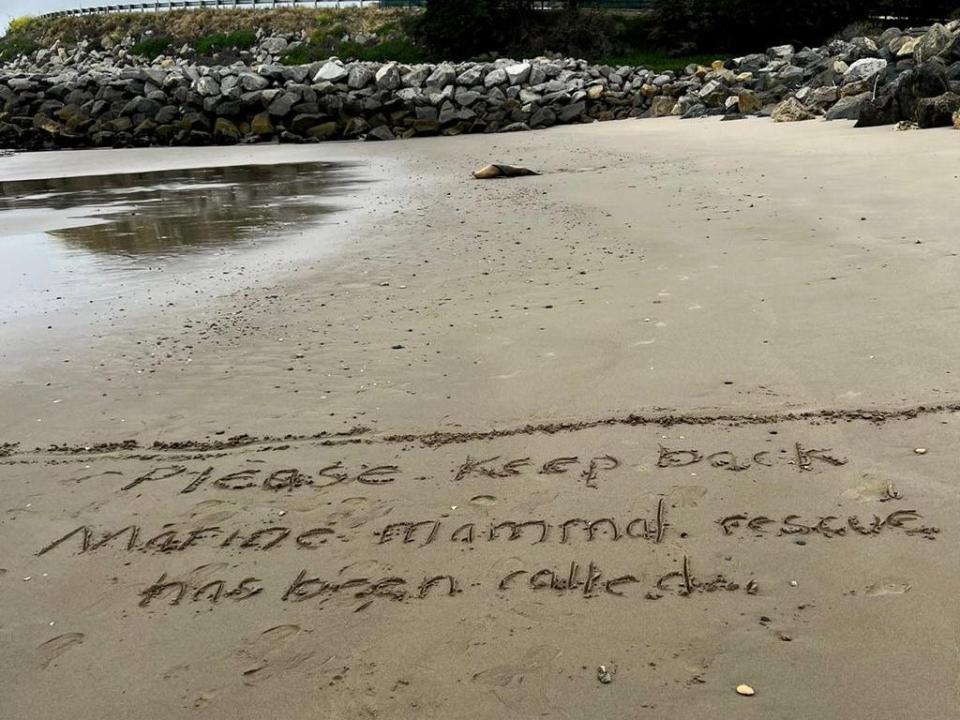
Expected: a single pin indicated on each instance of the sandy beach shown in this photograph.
(681, 406)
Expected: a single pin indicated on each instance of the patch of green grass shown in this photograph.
(20, 24)
(390, 28)
(12, 47)
(328, 34)
(302, 55)
(398, 50)
(239, 39)
(152, 46)
(657, 60)
(402, 51)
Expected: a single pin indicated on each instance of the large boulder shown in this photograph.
(823, 96)
(208, 86)
(324, 131)
(358, 77)
(416, 77)
(791, 110)
(381, 132)
(262, 124)
(903, 46)
(881, 110)
(464, 97)
(517, 73)
(662, 105)
(442, 75)
(865, 69)
(273, 45)
(937, 111)
(570, 112)
(928, 80)
(388, 77)
(226, 132)
(898, 99)
(749, 102)
(497, 76)
(848, 107)
(282, 104)
(331, 72)
(251, 81)
(471, 76)
(936, 42)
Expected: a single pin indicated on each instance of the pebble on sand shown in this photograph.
(745, 690)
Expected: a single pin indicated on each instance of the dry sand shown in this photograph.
(706, 368)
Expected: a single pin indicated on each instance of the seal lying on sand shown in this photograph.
(497, 171)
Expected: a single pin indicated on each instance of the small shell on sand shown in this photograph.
(745, 690)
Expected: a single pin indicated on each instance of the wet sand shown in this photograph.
(684, 406)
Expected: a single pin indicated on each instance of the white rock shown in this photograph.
(495, 77)
(331, 72)
(388, 77)
(518, 73)
(865, 69)
(273, 45)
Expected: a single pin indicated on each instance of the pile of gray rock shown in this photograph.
(81, 97)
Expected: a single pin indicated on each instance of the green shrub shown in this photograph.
(399, 50)
(657, 60)
(328, 33)
(459, 29)
(12, 47)
(724, 25)
(861, 28)
(402, 51)
(302, 55)
(20, 24)
(238, 39)
(152, 46)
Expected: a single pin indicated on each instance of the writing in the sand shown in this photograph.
(574, 579)
(172, 539)
(590, 470)
(425, 532)
(85, 539)
(906, 522)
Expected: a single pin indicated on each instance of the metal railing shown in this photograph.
(167, 5)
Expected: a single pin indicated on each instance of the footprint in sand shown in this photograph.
(891, 586)
(358, 511)
(210, 512)
(536, 660)
(74, 479)
(364, 568)
(686, 496)
(201, 574)
(506, 566)
(55, 647)
(537, 499)
(275, 651)
(175, 672)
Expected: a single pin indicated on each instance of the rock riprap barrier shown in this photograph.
(82, 97)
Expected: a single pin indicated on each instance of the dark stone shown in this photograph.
(302, 123)
(166, 114)
(426, 127)
(381, 132)
(937, 111)
(882, 110)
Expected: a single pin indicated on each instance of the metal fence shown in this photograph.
(166, 5)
